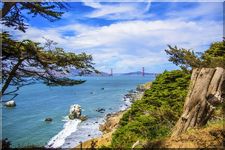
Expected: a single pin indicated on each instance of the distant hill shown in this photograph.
(75, 72)
(138, 73)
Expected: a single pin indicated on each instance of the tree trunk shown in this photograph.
(6, 8)
(10, 77)
(206, 90)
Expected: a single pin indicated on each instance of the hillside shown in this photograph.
(149, 123)
(156, 113)
(210, 136)
(182, 109)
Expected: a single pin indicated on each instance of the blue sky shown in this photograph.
(128, 36)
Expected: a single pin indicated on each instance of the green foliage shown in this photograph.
(183, 58)
(155, 114)
(187, 59)
(23, 60)
(215, 55)
(14, 13)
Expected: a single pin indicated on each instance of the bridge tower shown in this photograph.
(143, 71)
(111, 74)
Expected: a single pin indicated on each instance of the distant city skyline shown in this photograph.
(129, 36)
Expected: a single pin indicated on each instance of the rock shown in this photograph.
(48, 119)
(75, 112)
(101, 110)
(111, 122)
(108, 115)
(140, 88)
(83, 118)
(10, 103)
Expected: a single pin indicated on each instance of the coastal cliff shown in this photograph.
(154, 120)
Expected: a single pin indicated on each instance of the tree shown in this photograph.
(13, 13)
(215, 55)
(26, 61)
(188, 60)
(207, 87)
(206, 91)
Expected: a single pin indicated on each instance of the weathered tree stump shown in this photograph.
(206, 91)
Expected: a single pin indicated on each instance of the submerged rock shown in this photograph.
(10, 103)
(48, 119)
(101, 110)
(83, 118)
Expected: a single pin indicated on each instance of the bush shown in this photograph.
(155, 114)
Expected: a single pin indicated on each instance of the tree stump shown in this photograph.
(206, 91)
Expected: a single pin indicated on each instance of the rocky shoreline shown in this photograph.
(112, 120)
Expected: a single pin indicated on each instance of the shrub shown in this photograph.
(155, 114)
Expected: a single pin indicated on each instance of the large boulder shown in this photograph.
(10, 103)
(75, 112)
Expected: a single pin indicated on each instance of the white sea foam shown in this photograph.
(75, 132)
(87, 130)
(58, 140)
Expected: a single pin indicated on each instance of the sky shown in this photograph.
(127, 36)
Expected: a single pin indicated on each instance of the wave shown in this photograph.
(75, 132)
(69, 127)
(87, 130)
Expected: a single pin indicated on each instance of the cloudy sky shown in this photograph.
(128, 36)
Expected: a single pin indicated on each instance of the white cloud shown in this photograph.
(129, 45)
(206, 11)
(119, 11)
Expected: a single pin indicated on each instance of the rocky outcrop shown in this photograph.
(112, 121)
(101, 110)
(137, 94)
(48, 119)
(75, 111)
(10, 103)
(206, 91)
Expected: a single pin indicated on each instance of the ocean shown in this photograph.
(24, 125)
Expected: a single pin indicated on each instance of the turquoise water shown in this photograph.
(24, 124)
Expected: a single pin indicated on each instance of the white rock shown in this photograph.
(10, 103)
(75, 111)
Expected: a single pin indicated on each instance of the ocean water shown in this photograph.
(24, 125)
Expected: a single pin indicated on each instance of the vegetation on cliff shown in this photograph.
(209, 136)
(187, 59)
(153, 117)
(156, 113)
